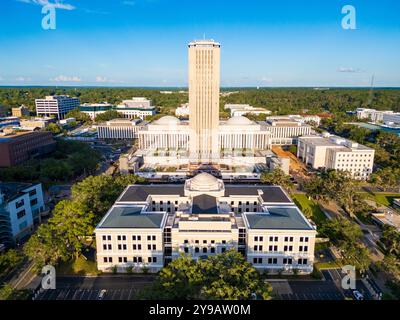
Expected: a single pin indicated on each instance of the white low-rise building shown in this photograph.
(150, 225)
(333, 152)
(386, 116)
(20, 207)
(95, 109)
(285, 131)
(243, 109)
(121, 129)
(392, 118)
(136, 108)
(182, 111)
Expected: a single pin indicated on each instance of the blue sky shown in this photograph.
(143, 42)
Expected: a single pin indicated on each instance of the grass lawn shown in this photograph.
(79, 266)
(303, 203)
(383, 198)
(328, 265)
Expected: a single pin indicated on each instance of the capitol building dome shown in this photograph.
(168, 121)
(239, 121)
(204, 182)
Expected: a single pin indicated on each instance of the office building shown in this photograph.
(20, 112)
(20, 207)
(204, 83)
(57, 106)
(333, 152)
(151, 225)
(204, 140)
(16, 148)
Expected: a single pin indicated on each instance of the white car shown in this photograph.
(357, 295)
(102, 294)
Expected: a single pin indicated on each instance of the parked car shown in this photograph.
(102, 294)
(358, 295)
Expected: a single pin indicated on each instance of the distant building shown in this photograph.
(391, 118)
(285, 131)
(20, 112)
(9, 122)
(243, 109)
(67, 121)
(182, 111)
(388, 117)
(95, 109)
(119, 129)
(2, 111)
(151, 225)
(35, 123)
(276, 162)
(19, 147)
(136, 108)
(333, 152)
(20, 207)
(57, 106)
(387, 217)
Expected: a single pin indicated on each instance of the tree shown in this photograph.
(108, 115)
(79, 116)
(391, 239)
(7, 292)
(226, 276)
(73, 222)
(55, 170)
(336, 185)
(277, 177)
(9, 260)
(54, 128)
(98, 193)
(46, 247)
(346, 235)
(387, 178)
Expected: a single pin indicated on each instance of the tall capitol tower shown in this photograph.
(204, 83)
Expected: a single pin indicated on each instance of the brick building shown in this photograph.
(20, 147)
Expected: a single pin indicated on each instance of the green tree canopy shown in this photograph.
(226, 276)
(277, 177)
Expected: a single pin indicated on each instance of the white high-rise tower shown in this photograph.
(204, 84)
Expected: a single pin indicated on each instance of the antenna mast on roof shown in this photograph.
(371, 90)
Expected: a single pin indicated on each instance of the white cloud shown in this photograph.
(266, 79)
(96, 11)
(1, 78)
(62, 78)
(350, 70)
(101, 79)
(23, 79)
(58, 4)
(128, 3)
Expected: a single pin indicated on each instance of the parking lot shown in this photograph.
(89, 288)
(307, 290)
(87, 294)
